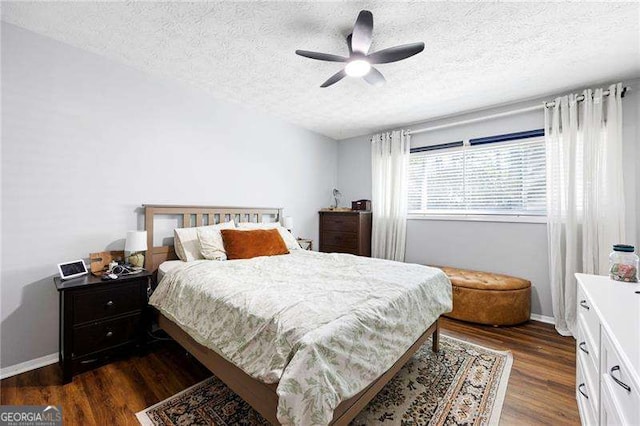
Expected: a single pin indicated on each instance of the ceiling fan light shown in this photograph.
(357, 68)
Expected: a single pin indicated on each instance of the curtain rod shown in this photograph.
(580, 98)
(543, 105)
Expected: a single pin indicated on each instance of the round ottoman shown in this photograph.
(488, 298)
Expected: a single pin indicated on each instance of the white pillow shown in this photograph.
(289, 239)
(211, 243)
(186, 241)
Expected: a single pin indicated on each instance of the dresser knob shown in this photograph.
(109, 333)
(110, 303)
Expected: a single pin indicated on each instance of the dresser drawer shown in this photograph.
(589, 377)
(344, 240)
(589, 317)
(105, 334)
(609, 413)
(340, 222)
(337, 249)
(98, 304)
(616, 378)
(586, 347)
(585, 397)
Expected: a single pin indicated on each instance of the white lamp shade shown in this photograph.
(288, 222)
(136, 241)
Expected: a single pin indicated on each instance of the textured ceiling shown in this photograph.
(477, 54)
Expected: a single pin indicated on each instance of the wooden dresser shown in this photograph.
(608, 351)
(345, 232)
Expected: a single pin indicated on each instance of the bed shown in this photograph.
(300, 337)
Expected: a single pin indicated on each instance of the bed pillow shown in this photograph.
(186, 241)
(210, 239)
(289, 239)
(247, 244)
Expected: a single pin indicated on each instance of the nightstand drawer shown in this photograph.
(344, 240)
(97, 304)
(341, 223)
(105, 334)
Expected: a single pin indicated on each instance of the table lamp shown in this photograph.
(136, 245)
(288, 223)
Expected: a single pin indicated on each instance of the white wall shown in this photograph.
(518, 249)
(86, 141)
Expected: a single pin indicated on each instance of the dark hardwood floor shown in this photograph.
(541, 385)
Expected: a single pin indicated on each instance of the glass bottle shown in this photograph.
(623, 263)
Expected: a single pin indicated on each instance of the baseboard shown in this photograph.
(543, 318)
(13, 370)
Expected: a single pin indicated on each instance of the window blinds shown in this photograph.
(493, 178)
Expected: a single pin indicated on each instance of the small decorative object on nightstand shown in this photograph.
(99, 319)
(305, 243)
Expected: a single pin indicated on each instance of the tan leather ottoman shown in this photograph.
(488, 298)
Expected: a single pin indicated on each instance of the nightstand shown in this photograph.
(99, 320)
(305, 243)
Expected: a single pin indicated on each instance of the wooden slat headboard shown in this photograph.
(208, 215)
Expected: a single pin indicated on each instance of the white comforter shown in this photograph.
(324, 326)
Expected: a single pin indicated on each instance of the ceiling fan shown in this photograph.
(359, 62)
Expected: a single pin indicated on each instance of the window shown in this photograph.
(502, 175)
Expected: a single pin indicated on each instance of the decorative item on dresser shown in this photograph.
(345, 232)
(608, 351)
(99, 319)
(361, 205)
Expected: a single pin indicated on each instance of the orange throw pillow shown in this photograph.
(254, 243)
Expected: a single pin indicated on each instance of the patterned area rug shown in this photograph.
(464, 384)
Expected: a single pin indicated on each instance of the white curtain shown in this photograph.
(389, 165)
(585, 199)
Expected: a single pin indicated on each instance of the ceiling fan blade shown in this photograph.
(362, 31)
(396, 53)
(321, 56)
(374, 77)
(349, 44)
(334, 78)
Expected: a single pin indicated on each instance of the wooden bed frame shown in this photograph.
(261, 396)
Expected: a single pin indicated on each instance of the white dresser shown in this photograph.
(608, 351)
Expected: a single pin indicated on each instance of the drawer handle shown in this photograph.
(583, 303)
(109, 303)
(582, 347)
(622, 384)
(581, 392)
(88, 361)
(109, 333)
